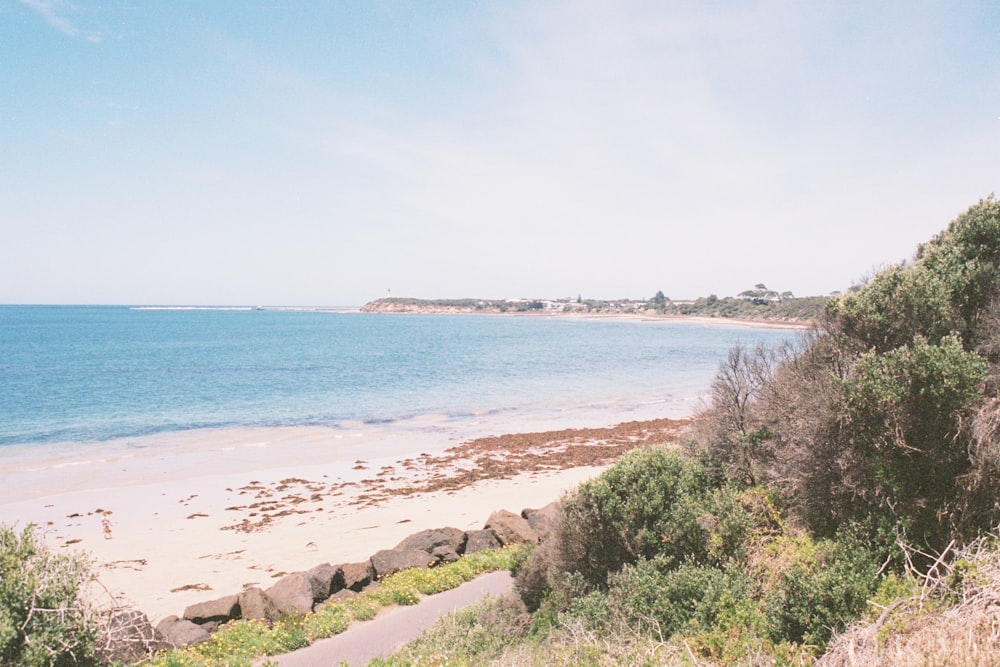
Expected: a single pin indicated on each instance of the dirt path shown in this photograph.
(394, 627)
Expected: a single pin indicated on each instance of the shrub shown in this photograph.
(652, 504)
(826, 586)
(43, 619)
(668, 600)
(628, 513)
(902, 432)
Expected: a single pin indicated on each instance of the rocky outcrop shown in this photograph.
(481, 540)
(390, 561)
(214, 611)
(444, 544)
(293, 594)
(544, 520)
(511, 528)
(255, 604)
(325, 580)
(302, 592)
(357, 575)
(127, 637)
(181, 632)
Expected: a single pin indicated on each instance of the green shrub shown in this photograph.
(628, 513)
(827, 585)
(902, 425)
(43, 620)
(667, 600)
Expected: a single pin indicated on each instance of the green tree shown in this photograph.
(660, 301)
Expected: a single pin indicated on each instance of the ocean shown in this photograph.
(89, 374)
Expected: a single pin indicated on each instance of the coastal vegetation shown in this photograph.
(759, 303)
(43, 618)
(836, 504)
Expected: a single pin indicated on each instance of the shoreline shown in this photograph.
(776, 323)
(207, 521)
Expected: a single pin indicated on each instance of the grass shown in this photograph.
(240, 643)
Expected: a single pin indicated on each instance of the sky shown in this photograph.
(320, 153)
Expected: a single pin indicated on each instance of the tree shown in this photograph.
(888, 412)
(760, 294)
(738, 434)
(660, 301)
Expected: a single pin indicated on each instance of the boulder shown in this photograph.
(444, 554)
(445, 544)
(325, 580)
(389, 561)
(510, 528)
(293, 594)
(357, 575)
(181, 632)
(219, 611)
(255, 604)
(544, 520)
(481, 540)
(128, 637)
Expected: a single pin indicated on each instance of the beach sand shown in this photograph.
(198, 515)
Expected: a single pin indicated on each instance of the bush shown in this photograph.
(827, 585)
(903, 434)
(630, 512)
(43, 619)
(669, 600)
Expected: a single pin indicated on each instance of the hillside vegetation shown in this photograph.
(837, 502)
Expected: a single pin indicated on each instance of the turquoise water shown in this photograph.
(83, 374)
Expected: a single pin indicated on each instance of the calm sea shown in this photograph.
(85, 374)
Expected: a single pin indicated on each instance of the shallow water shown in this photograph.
(73, 377)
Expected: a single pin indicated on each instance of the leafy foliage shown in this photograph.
(43, 619)
(887, 413)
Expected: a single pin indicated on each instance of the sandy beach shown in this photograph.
(201, 514)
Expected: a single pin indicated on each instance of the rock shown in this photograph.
(293, 594)
(325, 580)
(181, 632)
(344, 594)
(128, 637)
(544, 520)
(510, 528)
(481, 540)
(357, 575)
(445, 544)
(389, 561)
(220, 611)
(444, 554)
(255, 604)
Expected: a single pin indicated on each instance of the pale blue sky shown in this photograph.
(320, 153)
